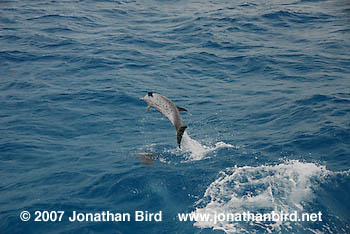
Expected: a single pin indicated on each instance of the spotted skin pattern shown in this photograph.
(165, 106)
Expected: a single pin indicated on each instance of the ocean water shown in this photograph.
(267, 89)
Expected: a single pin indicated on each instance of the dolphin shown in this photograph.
(165, 106)
(147, 158)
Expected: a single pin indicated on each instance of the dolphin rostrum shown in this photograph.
(165, 106)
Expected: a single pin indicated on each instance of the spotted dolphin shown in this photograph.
(165, 106)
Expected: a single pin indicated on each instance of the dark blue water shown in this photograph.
(266, 85)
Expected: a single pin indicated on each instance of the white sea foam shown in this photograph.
(283, 187)
(191, 149)
(197, 151)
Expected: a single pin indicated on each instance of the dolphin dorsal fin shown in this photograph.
(181, 108)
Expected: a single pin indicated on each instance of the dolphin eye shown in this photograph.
(150, 94)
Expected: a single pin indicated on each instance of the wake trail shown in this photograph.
(196, 150)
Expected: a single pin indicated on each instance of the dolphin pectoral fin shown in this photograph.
(181, 108)
(179, 135)
(148, 107)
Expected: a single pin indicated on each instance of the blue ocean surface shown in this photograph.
(267, 89)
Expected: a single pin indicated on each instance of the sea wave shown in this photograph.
(286, 187)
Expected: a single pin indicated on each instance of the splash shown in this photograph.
(283, 187)
(197, 151)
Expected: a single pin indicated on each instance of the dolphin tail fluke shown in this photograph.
(179, 135)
